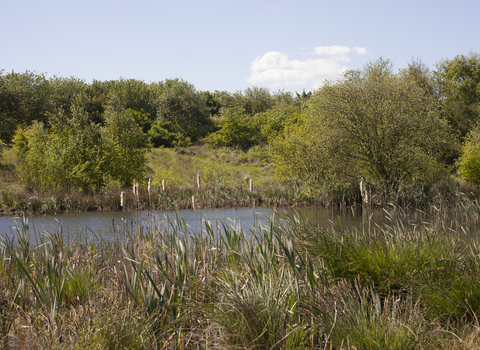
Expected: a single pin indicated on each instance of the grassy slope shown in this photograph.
(8, 176)
(181, 166)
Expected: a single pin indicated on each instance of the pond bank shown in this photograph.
(172, 198)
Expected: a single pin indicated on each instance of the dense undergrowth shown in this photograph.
(406, 285)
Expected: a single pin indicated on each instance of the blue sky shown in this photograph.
(230, 45)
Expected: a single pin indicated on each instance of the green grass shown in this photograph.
(180, 167)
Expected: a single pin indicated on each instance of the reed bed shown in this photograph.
(289, 285)
(172, 198)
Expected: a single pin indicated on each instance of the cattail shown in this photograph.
(163, 185)
(193, 202)
(251, 185)
(364, 192)
(198, 180)
(122, 199)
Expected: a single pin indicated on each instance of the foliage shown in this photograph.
(24, 98)
(162, 133)
(459, 79)
(76, 153)
(124, 144)
(253, 100)
(271, 124)
(469, 161)
(235, 131)
(372, 124)
(180, 104)
(419, 73)
(65, 91)
(304, 154)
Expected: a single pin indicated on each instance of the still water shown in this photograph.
(108, 223)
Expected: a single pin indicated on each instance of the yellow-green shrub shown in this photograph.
(469, 162)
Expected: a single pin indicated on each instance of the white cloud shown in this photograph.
(337, 53)
(279, 70)
(360, 50)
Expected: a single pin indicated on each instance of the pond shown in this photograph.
(107, 223)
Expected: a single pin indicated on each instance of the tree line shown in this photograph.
(389, 128)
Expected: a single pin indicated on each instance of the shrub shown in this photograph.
(469, 162)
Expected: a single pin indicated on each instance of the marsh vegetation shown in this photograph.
(290, 284)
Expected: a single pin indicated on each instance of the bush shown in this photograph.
(469, 162)
(76, 153)
(235, 131)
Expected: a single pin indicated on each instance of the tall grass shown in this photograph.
(288, 285)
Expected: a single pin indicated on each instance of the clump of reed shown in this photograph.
(290, 285)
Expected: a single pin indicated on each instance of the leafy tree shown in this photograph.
(80, 151)
(282, 97)
(212, 102)
(65, 91)
(254, 100)
(225, 99)
(162, 133)
(32, 144)
(235, 131)
(420, 74)
(459, 80)
(124, 143)
(74, 152)
(303, 153)
(372, 124)
(136, 95)
(271, 124)
(24, 98)
(469, 162)
(180, 104)
(95, 105)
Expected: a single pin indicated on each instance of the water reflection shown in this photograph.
(108, 223)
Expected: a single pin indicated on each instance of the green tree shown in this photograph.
(73, 152)
(469, 162)
(124, 145)
(420, 74)
(253, 100)
(40, 162)
(303, 153)
(135, 95)
(271, 124)
(235, 130)
(65, 91)
(162, 133)
(372, 124)
(179, 103)
(24, 98)
(459, 80)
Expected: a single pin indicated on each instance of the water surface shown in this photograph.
(108, 223)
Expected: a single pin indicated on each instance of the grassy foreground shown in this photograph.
(291, 285)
